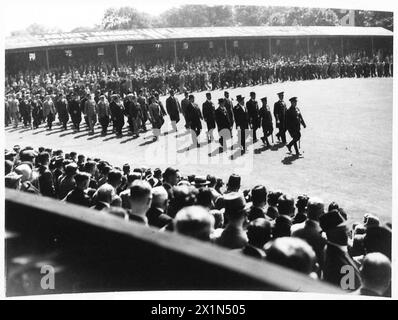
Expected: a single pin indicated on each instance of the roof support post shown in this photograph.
(372, 45)
(225, 48)
(47, 61)
(308, 46)
(269, 47)
(175, 52)
(116, 56)
(342, 47)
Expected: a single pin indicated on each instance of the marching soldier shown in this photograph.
(242, 120)
(230, 109)
(90, 113)
(117, 113)
(49, 111)
(265, 117)
(173, 109)
(293, 121)
(75, 112)
(208, 110)
(144, 109)
(62, 110)
(252, 110)
(280, 117)
(184, 107)
(223, 124)
(194, 117)
(156, 117)
(37, 111)
(104, 113)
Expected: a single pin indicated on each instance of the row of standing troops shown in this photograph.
(248, 118)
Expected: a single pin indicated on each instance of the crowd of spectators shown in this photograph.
(201, 73)
(303, 234)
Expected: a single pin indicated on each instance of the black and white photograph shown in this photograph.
(208, 148)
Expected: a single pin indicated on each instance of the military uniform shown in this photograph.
(242, 121)
(195, 117)
(173, 109)
(280, 119)
(252, 110)
(75, 113)
(265, 117)
(208, 110)
(223, 124)
(294, 120)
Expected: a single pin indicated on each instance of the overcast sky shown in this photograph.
(69, 14)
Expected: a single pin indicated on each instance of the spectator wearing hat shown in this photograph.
(195, 222)
(75, 112)
(292, 253)
(28, 179)
(157, 216)
(45, 179)
(173, 108)
(283, 223)
(242, 121)
(259, 232)
(294, 120)
(301, 205)
(67, 182)
(104, 114)
(78, 195)
(208, 111)
(224, 124)
(336, 253)
(194, 118)
(280, 117)
(265, 120)
(376, 275)
(310, 230)
(234, 236)
(259, 201)
(140, 201)
(13, 180)
(253, 113)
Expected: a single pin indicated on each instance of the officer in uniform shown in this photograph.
(280, 117)
(37, 111)
(144, 109)
(223, 124)
(194, 117)
(184, 106)
(62, 110)
(294, 120)
(266, 121)
(252, 110)
(208, 110)
(241, 120)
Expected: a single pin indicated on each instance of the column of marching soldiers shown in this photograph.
(248, 117)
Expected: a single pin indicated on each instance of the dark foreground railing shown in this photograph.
(53, 247)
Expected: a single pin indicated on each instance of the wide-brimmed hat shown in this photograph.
(200, 181)
(331, 220)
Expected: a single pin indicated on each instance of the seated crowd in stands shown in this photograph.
(202, 73)
(302, 234)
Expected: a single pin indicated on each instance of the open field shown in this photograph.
(347, 145)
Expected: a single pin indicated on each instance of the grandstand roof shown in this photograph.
(164, 34)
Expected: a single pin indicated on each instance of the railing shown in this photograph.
(91, 251)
